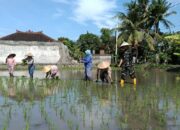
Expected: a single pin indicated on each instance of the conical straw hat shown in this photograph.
(29, 54)
(125, 44)
(103, 65)
(46, 68)
(11, 55)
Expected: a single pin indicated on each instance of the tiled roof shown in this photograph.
(28, 36)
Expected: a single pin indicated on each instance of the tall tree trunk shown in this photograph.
(156, 29)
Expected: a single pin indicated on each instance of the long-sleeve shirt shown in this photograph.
(10, 61)
(30, 62)
(54, 69)
(87, 60)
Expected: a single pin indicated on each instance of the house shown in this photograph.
(28, 36)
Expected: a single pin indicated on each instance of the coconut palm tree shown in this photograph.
(133, 24)
(158, 12)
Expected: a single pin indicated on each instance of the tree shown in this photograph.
(158, 12)
(133, 25)
(66, 41)
(108, 41)
(88, 41)
(142, 17)
(72, 46)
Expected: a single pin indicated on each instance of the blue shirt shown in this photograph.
(87, 60)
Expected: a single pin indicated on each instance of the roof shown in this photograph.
(28, 36)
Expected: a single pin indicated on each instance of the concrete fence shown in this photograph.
(44, 52)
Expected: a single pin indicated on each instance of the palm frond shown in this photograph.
(150, 41)
(122, 37)
(170, 13)
(167, 23)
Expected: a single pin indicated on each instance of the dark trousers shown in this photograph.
(104, 76)
(127, 71)
(31, 69)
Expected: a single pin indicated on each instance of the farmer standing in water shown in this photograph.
(87, 60)
(126, 63)
(29, 60)
(10, 61)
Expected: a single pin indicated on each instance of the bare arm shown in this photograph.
(48, 74)
(120, 63)
(109, 74)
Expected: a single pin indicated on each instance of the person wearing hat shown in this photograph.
(51, 71)
(87, 60)
(30, 62)
(10, 61)
(104, 70)
(126, 63)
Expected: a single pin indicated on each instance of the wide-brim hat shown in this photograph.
(11, 55)
(29, 54)
(46, 68)
(103, 65)
(125, 44)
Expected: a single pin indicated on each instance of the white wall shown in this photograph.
(44, 52)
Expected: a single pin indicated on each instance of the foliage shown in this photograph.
(173, 38)
(174, 43)
(132, 27)
(158, 12)
(108, 41)
(88, 41)
(140, 27)
(72, 46)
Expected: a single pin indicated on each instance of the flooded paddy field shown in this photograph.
(73, 104)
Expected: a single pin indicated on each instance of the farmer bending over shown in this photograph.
(104, 70)
(51, 71)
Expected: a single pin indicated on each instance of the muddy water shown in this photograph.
(73, 104)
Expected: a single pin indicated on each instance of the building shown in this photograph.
(28, 36)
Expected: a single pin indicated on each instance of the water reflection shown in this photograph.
(77, 105)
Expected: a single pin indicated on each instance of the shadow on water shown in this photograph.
(40, 104)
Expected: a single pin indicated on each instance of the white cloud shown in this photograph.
(61, 1)
(98, 12)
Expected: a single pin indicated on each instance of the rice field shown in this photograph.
(73, 104)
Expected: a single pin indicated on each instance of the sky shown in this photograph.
(66, 18)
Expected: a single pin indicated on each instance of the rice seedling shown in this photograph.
(82, 104)
(70, 124)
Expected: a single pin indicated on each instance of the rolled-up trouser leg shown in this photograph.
(31, 70)
(11, 70)
(88, 74)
